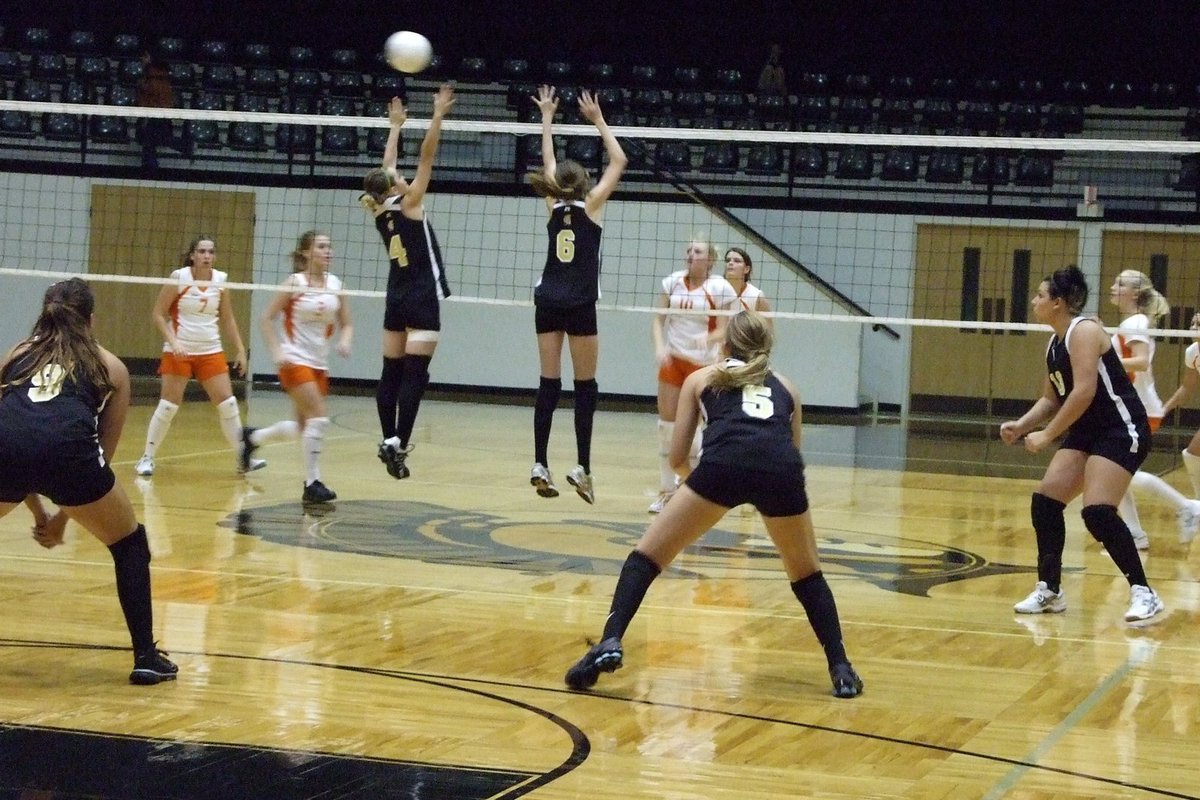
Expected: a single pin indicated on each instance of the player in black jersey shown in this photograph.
(63, 401)
(416, 282)
(751, 455)
(565, 296)
(1088, 396)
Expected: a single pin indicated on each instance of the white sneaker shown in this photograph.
(1140, 540)
(582, 482)
(1143, 603)
(539, 478)
(1188, 518)
(145, 466)
(660, 502)
(255, 464)
(1042, 601)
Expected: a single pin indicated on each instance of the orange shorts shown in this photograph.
(199, 367)
(676, 370)
(293, 375)
(1155, 422)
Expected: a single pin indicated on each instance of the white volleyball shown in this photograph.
(408, 51)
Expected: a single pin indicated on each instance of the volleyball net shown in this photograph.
(929, 247)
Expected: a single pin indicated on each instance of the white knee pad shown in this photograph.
(166, 411)
(228, 408)
(422, 336)
(315, 428)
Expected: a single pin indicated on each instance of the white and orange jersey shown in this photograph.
(1143, 382)
(687, 334)
(309, 320)
(1191, 356)
(194, 311)
(749, 296)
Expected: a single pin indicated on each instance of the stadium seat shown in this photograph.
(51, 67)
(584, 149)
(730, 105)
(262, 80)
(300, 57)
(171, 48)
(687, 77)
(67, 127)
(901, 86)
(473, 69)
(899, 165)
(814, 83)
(644, 76)
(126, 45)
(296, 139)
(810, 161)
(377, 137)
(1023, 116)
(1064, 118)
(222, 78)
(20, 123)
(558, 73)
(773, 107)
(673, 155)
(764, 159)
(256, 54)
(981, 115)
(305, 81)
(729, 80)
(1188, 178)
(611, 100)
(213, 51)
(248, 136)
(855, 163)
(1165, 94)
(855, 110)
(93, 70)
(113, 130)
(647, 101)
(719, 157)
(896, 112)
(813, 108)
(939, 112)
(388, 85)
(36, 40)
(344, 59)
(206, 132)
(515, 69)
(990, 167)
(601, 75)
(131, 71)
(182, 75)
(1034, 170)
(347, 84)
(82, 43)
(338, 139)
(688, 104)
(1031, 89)
(11, 67)
(858, 85)
(944, 166)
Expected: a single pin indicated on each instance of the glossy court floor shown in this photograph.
(411, 641)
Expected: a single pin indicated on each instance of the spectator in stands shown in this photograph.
(155, 91)
(771, 81)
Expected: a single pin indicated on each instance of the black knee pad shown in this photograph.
(1045, 511)
(133, 547)
(1104, 523)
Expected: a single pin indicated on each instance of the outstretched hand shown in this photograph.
(50, 532)
(397, 113)
(545, 100)
(443, 100)
(589, 108)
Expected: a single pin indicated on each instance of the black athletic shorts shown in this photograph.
(69, 472)
(774, 494)
(573, 321)
(1115, 444)
(412, 311)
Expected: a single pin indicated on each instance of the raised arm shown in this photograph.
(397, 114)
(617, 160)
(442, 101)
(547, 103)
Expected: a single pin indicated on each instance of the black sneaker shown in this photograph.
(248, 449)
(603, 657)
(393, 458)
(152, 666)
(317, 492)
(846, 682)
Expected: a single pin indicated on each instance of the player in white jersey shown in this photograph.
(190, 317)
(683, 343)
(1187, 509)
(1141, 308)
(738, 267)
(311, 313)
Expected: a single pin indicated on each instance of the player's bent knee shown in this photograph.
(1103, 522)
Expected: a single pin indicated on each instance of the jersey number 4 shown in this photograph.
(396, 251)
(564, 246)
(756, 402)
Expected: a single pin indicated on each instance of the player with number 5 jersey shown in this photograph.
(416, 282)
(565, 296)
(751, 455)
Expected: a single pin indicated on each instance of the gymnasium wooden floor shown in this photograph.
(411, 643)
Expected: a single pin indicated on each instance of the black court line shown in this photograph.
(97, 765)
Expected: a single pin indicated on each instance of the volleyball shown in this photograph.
(408, 51)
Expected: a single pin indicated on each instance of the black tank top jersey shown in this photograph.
(412, 246)
(49, 406)
(572, 273)
(750, 427)
(1116, 403)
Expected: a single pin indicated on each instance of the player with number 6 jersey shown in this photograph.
(751, 455)
(565, 296)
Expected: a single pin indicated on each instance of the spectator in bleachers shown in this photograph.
(772, 81)
(155, 91)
